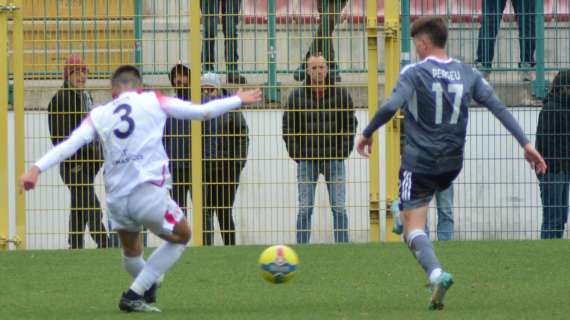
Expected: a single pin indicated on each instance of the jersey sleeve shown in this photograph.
(81, 136)
(485, 95)
(181, 109)
(400, 96)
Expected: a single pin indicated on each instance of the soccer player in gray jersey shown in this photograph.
(434, 96)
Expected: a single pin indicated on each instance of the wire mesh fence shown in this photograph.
(268, 169)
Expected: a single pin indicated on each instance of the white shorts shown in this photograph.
(148, 206)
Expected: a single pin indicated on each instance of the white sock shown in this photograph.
(435, 274)
(133, 265)
(159, 262)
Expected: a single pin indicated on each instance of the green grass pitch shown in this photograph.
(494, 280)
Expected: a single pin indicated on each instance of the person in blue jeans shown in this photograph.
(229, 10)
(444, 203)
(319, 126)
(490, 23)
(553, 141)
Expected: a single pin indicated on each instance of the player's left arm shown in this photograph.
(84, 134)
(485, 95)
(402, 93)
(181, 109)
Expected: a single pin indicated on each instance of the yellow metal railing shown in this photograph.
(4, 181)
(392, 67)
(374, 163)
(197, 177)
(19, 129)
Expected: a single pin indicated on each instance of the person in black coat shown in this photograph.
(319, 126)
(66, 111)
(553, 142)
(225, 146)
(177, 141)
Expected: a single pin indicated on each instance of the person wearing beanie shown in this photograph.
(225, 145)
(177, 141)
(66, 111)
(553, 142)
(229, 10)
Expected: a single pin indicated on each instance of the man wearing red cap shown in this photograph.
(66, 111)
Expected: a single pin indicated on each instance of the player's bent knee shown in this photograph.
(181, 233)
(131, 243)
(133, 251)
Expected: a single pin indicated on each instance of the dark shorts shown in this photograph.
(417, 189)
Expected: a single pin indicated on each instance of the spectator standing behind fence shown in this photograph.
(229, 10)
(318, 128)
(444, 203)
(225, 152)
(177, 140)
(329, 11)
(66, 111)
(490, 23)
(553, 142)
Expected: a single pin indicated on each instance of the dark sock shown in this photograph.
(131, 295)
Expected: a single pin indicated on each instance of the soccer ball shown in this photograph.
(278, 264)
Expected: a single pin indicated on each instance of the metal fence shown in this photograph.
(248, 171)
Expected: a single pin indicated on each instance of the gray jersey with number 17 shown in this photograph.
(435, 96)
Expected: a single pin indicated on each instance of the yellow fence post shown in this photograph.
(195, 41)
(4, 197)
(374, 173)
(19, 122)
(392, 70)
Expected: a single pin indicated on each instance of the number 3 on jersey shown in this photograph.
(124, 118)
(455, 88)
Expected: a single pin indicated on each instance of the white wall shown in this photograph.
(496, 196)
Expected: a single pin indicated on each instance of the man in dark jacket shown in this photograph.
(225, 145)
(319, 126)
(65, 113)
(177, 140)
(553, 142)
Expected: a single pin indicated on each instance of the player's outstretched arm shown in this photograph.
(382, 116)
(486, 96)
(400, 96)
(180, 109)
(81, 136)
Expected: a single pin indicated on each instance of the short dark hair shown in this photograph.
(127, 68)
(179, 68)
(434, 27)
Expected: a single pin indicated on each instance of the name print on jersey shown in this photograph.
(451, 75)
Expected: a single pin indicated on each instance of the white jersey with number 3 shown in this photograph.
(130, 129)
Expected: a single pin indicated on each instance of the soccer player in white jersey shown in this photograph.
(137, 179)
(435, 95)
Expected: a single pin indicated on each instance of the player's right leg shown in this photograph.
(134, 263)
(152, 207)
(416, 192)
(422, 249)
